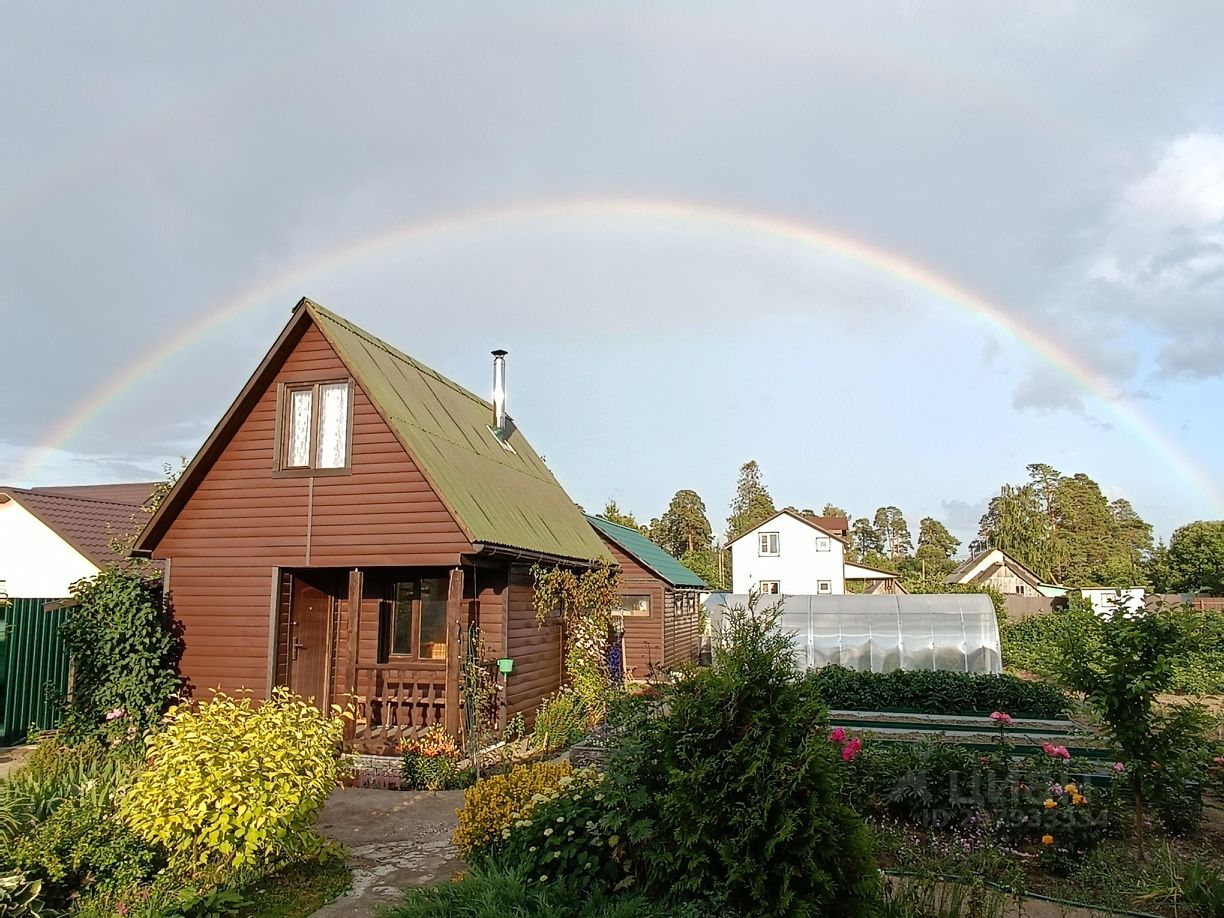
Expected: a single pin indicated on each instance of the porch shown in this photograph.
(388, 642)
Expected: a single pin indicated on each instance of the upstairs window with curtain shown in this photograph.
(315, 422)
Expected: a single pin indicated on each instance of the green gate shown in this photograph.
(33, 668)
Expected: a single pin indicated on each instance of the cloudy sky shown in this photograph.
(894, 251)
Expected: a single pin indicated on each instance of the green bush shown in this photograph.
(728, 791)
(54, 775)
(564, 837)
(231, 783)
(561, 721)
(125, 652)
(498, 892)
(81, 850)
(1033, 644)
(927, 783)
(937, 692)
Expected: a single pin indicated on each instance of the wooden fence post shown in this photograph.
(454, 648)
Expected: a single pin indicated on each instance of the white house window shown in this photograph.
(822, 543)
(770, 586)
(769, 543)
(824, 586)
(315, 427)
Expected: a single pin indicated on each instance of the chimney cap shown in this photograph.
(500, 353)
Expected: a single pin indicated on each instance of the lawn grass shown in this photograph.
(298, 890)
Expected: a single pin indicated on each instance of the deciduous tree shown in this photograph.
(1196, 558)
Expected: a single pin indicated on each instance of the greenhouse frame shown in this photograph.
(957, 632)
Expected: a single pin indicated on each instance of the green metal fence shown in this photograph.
(33, 667)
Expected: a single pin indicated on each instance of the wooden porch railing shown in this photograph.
(395, 702)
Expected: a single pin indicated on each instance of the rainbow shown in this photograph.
(685, 216)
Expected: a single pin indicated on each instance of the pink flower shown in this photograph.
(121, 908)
(115, 714)
(1055, 752)
(1056, 790)
(851, 749)
(1219, 760)
(1119, 767)
(1001, 719)
(838, 735)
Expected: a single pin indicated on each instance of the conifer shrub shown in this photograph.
(727, 789)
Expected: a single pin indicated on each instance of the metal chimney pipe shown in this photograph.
(499, 392)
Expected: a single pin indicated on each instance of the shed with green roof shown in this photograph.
(660, 601)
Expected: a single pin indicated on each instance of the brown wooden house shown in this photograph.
(659, 601)
(350, 523)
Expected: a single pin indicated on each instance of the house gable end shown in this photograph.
(381, 508)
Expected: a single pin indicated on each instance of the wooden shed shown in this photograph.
(660, 599)
(351, 522)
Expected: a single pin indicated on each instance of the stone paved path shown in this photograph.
(12, 758)
(395, 840)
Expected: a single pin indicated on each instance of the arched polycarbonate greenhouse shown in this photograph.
(945, 631)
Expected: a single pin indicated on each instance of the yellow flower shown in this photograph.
(1077, 799)
(1047, 839)
(1050, 804)
(614, 841)
(1071, 789)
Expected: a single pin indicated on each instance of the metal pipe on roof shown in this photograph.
(499, 392)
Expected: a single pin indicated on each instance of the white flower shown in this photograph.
(548, 831)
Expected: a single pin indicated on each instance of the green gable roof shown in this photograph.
(648, 553)
(500, 497)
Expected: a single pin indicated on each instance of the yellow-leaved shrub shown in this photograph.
(233, 782)
(493, 803)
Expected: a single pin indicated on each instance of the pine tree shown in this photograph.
(834, 510)
(894, 533)
(684, 528)
(752, 504)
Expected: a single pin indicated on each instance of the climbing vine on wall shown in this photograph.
(584, 601)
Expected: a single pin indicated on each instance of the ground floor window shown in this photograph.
(633, 604)
(824, 586)
(415, 624)
(771, 586)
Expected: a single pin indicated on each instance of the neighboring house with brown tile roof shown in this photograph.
(52, 537)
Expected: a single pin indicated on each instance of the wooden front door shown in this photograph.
(309, 641)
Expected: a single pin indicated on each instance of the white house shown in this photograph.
(52, 537)
(789, 553)
(1104, 600)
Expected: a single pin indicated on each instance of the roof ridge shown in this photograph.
(93, 500)
(604, 519)
(393, 351)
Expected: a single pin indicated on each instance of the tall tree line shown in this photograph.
(1064, 528)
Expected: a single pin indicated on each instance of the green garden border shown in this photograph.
(1011, 892)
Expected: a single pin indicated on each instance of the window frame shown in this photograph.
(762, 551)
(777, 584)
(824, 543)
(824, 586)
(387, 652)
(284, 418)
(623, 612)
